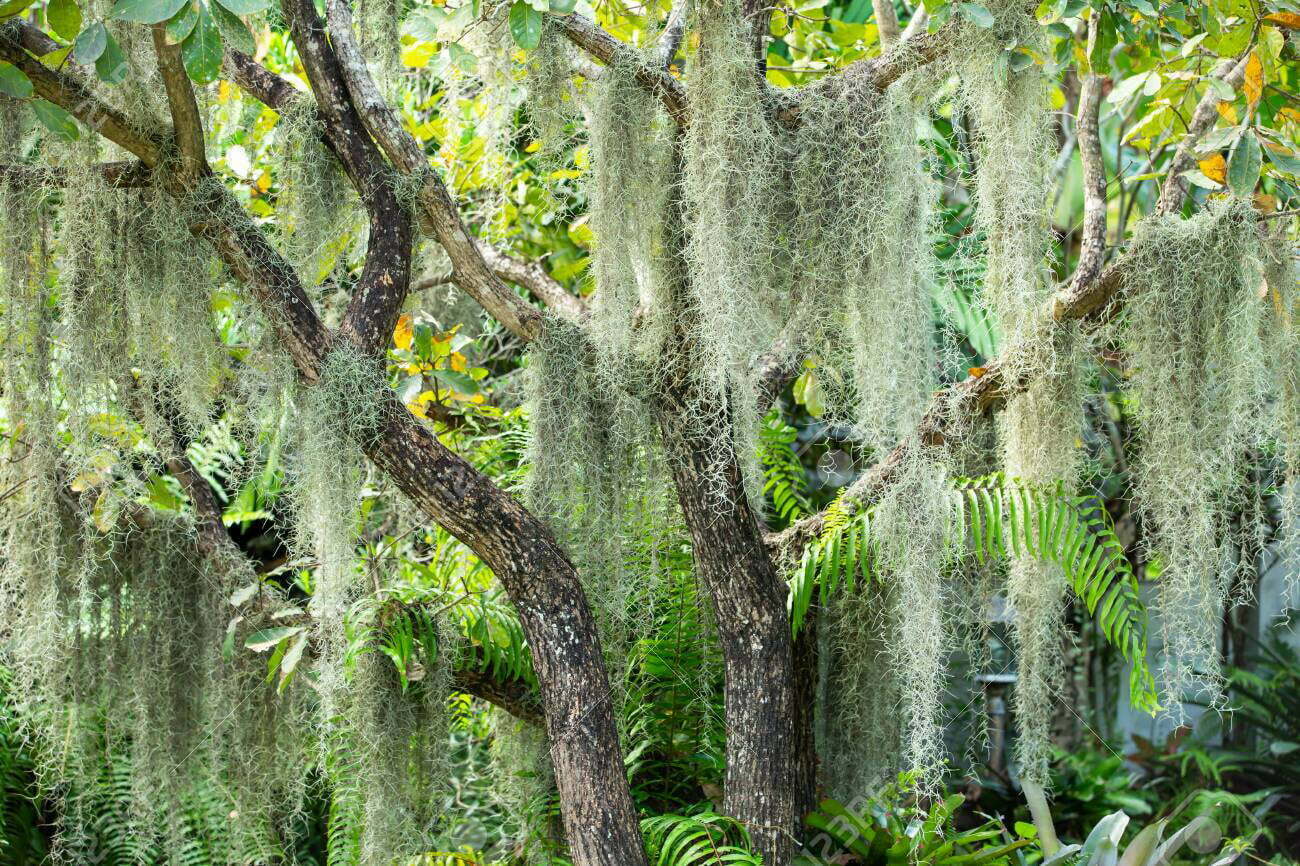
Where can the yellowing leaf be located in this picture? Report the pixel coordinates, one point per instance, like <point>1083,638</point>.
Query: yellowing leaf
<point>263,182</point>
<point>1227,111</point>
<point>1254,83</point>
<point>1215,167</point>
<point>1265,203</point>
<point>1289,20</point>
<point>977,372</point>
<point>1289,113</point>
<point>404,333</point>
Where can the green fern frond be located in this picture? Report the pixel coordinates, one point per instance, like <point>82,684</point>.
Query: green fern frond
<point>785,483</point>
<point>1007,518</point>
<point>697,840</point>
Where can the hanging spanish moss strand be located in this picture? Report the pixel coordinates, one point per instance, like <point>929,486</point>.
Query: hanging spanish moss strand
<point>1199,376</point>
<point>919,534</point>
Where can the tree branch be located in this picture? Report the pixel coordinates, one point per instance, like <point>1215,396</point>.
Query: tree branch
<point>187,124</point>
<point>612,51</point>
<point>1203,119</point>
<point>886,22</point>
<point>121,175</point>
<point>385,276</point>
<point>670,40</point>
<point>74,97</point>
<point>1092,253</point>
<point>516,697</point>
<point>877,73</point>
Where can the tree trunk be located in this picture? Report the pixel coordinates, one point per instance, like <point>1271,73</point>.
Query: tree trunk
<point>595,802</point>
<point>749,606</point>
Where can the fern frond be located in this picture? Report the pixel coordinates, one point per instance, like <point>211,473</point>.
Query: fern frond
<point>1007,518</point>
<point>697,840</point>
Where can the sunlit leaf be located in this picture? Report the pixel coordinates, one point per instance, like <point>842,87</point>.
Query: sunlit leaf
<point>404,333</point>
<point>201,50</point>
<point>1254,82</point>
<point>65,18</point>
<point>1215,167</point>
<point>525,25</point>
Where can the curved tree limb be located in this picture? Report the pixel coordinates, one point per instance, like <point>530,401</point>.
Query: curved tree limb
<point>385,276</point>
<point>886,22</point>
<point>1092,253</point>
<point>74,97</point>
<point>611,51</point>
<point>954,409</point>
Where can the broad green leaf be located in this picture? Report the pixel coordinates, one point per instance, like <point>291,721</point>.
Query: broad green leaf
<point>976,14</point>
<point>56,120</point>
<point>90,43</point>
<point>1283,159</point>
<point>182,23</point>
<point>111,65</point>
<point>201,50</point>
<point>525,25</point>
<point>457,381</point>
<point>234,31</point>
<point>65,18</point>
<point>14,82</point>
<point>146,11</point>
<point>260,641</point>
<point>1101,40</point>
<point>1244,162</point>
<point>14,7</point>
<point>563,7</point>
<point>245,7</point>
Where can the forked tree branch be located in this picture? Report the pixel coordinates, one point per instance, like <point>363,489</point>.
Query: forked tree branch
<point>480,281</point>
<point>613,51</point>
<point>954,410</point>
<point>74,97</point>
<point>385,276</point>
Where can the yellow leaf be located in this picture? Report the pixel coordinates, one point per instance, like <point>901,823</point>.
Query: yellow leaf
<point>263,182</point>
<point>1289,20</point>
<point>1215,167</point>
<point>977,372</point>
<point>404,332</point>
<point>1227,112</point>
<point>1254,83</point>
<point>1289,113</point>
<point>458,362</point>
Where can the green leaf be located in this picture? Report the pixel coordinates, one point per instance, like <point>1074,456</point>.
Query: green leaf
<point>90,43</point>
<point>146,11</point>
<point>563,7</point>
<point>65,18</point>
<point>976,14</point>
<point>260,641</point>
<point>56,120</point>
<point>290,661</point>
<point>1284,161</point>
<point>201,50</point>
<point>525,25</point>
<point>111,65</point>
<point>457,381</point>
<point>182,23</point>
<point>1244,162</point>
<point>14,82</point>
<point>1101,40</point>
<point>245,7</point>
<point>14,7</point>
<point>233,30</point>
